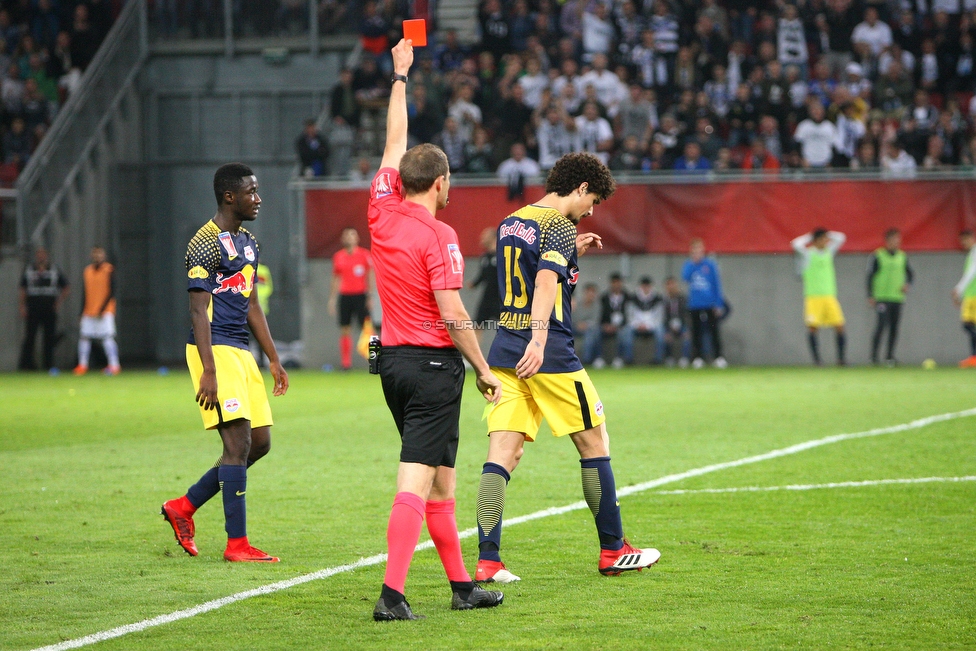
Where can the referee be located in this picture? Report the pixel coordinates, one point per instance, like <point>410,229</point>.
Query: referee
<point>419,270</point>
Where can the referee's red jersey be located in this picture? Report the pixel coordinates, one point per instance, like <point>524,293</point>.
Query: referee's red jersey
<point>414,255</point>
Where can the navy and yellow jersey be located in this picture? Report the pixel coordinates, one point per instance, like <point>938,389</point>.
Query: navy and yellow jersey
<point>531,239</point>
<point>223,264</point>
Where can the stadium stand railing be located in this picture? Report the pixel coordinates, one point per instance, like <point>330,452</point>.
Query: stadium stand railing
<point>81,124</point>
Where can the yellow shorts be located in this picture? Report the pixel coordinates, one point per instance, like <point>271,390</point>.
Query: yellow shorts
<point>969,310</point>
<point>823,312</point>
<point>240,387</point>
<point>568,401</point>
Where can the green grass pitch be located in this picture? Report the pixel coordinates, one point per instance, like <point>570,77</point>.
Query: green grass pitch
<point>86,462</point>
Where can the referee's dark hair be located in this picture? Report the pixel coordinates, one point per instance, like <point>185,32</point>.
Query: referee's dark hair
<point>572,170</point>
<point>229,178</point>
<point>421,166</point>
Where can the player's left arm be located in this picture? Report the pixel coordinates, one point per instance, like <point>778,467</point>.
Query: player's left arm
<point>909,277</point>
<point>259,328</point>
<point>719,292</point>
<point>65,290</point>
<point>836,240</point>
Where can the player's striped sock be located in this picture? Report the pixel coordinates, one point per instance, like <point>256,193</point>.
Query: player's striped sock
<point>442,526</point>
<point>491,505</point>
<point>600,492</point>
<point>233,482</point>
<point>402,534</point>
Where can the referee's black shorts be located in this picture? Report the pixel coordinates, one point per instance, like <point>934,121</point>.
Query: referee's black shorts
<point>423,388</point>
<point>350,306</point>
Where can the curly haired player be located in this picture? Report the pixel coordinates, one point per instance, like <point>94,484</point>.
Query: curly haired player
<point>534,357</point>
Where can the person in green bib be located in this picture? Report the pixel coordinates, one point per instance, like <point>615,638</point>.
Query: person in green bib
<point>821,307</point>
<point>889,278</point>
<point>964,294</point>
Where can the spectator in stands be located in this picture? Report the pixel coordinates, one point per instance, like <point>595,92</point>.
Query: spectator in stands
<point>586,323</point>
<point>850,130</point>
<point>637,116</point>
<point>610,91</point>
<point>341,138</point>
<point>665,26</point>
<point>520,26</point>
<point>615,306</point>
<point>934,155</point>
<point>816,137</point>
<point>652,67</point>
<point>677,343</point>
<point>759,158</point>
<point>12,90</point>
<point>84,39</point>
<point>494,28</point>
<point>479,154</point>
<point>45,24</point>
<point>450,54</point>
<point>629,157</point>
<point>874,32</point>
<point>692,160</point>
<point>770,134</point>
<point>453,143</point>
<point>706,303</point>
<point>792,42</point>
<point>343,103</point>
<point>924,114</point>
<point>657,159</point>
<point>647,315</point>
<point>742,116</point>
<point>898,163</point>
<point>893,91</point>
<point>516,169</point>
<point>363,172</point>
<point>313,151</point>
<point>36,109</point>
<point>556,136</point>
<point>533,82</point>
<point>425,119</point>
<point>707,139</point>
<point>595,133</point>
<point>47,86</point>
<point>463,110</point>
<point>867,158</point>
<point>597,31</point>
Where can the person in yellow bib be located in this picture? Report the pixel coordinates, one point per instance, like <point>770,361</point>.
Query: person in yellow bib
<point>964,294</point>
<point>821,307</point>
<point>889,279</point>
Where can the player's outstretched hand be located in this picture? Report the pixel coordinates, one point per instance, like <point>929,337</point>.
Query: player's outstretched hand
<point>402,57</point>
<point>207,395</point>
<point>280,379</point>
<point>490,387</point>
<point>531,361</point>
<point>585,240</point>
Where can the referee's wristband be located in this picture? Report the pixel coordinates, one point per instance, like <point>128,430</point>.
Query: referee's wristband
<point>397,78</point>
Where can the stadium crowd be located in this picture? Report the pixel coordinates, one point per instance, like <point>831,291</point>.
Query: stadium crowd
<point>652,85</point>
<point>45,46</point>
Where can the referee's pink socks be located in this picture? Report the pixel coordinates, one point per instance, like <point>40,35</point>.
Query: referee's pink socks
<point>345,350</point>
<point>402,534</point>
<point>442,526</point>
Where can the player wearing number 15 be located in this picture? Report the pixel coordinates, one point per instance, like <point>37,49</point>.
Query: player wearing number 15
<point>534,357</point>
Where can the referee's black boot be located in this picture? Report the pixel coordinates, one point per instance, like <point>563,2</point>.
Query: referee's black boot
<point>478,598</point>
<point>384,613</point>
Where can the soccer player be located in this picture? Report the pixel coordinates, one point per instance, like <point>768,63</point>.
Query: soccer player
<point>964,294</point>
<point>350,288</point>
<point>889,278</point>
<point>534,357</point>
<point>488,306</point>
<point>821,307</point>
<point>221,263</point>
<point>426,330</point>
<point>98,313</point>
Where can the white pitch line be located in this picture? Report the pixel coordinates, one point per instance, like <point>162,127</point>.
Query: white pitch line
<point>467,533</point>
<point>810,487</point>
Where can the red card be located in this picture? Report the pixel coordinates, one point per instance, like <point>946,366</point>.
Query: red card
<point>416,31</point>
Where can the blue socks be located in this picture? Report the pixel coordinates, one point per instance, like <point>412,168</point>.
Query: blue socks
<point>491,504</point>
<point>208,486</point>
<point>600,492</point>
<point>233,482</point>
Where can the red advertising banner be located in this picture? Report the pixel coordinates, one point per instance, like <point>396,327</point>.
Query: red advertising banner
<point>732,217</point>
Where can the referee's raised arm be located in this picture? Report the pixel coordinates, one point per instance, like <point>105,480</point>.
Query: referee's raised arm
<point>396,117</point>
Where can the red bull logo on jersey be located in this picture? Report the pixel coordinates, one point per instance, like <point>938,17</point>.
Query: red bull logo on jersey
<point>519,230</point>
<point>239,283</point>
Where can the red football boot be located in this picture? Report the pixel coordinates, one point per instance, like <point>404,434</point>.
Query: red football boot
<point>613,562</point>
<point>239,550</point>
<point>182,524</point>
